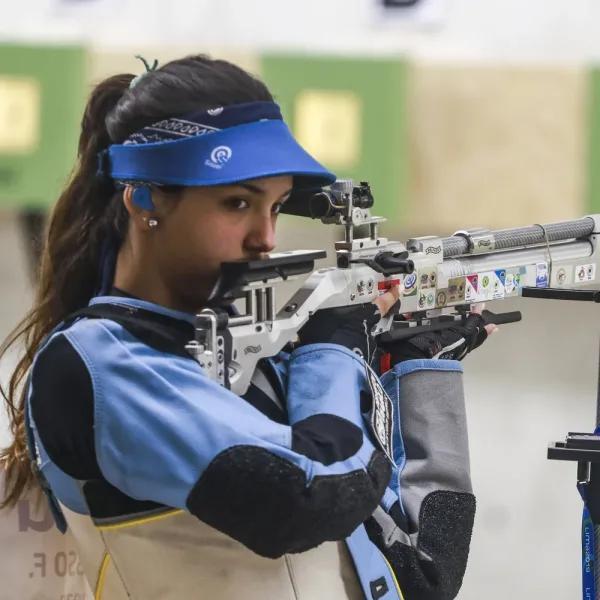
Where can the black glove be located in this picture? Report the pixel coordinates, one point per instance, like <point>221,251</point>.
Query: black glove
<point>451,344</point>
<point>348,326</point>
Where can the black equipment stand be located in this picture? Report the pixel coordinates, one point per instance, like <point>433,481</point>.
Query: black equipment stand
<point>583,448</point>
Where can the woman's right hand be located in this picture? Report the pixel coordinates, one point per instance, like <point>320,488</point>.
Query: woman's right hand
<point>451,344</point>
<point>348,326</point>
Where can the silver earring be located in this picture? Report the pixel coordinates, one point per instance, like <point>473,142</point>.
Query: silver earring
<point>152,222</point>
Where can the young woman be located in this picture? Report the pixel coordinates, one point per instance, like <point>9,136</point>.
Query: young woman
<point>173,486</point>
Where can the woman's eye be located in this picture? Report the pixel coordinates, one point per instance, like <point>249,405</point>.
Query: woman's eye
<point>277,208</point>
<point>236,203</point>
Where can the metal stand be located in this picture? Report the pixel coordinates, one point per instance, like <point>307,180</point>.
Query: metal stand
<point>584,448</point>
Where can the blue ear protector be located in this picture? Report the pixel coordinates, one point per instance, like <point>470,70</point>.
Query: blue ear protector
<point>142,197</point>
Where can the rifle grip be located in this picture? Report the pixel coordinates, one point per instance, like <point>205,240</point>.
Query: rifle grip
<point>501,318</point>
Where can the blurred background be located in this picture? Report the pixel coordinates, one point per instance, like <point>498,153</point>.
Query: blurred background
<point>460,113</point>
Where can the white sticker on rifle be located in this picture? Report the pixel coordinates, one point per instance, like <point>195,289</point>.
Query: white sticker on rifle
<point>499,284</point>
<point>427,279</point>
<point>585,273</point>
<point>382,415</point>
<point>541,275</point>
<point>486,286</point>
<point>385,285</point>
<point>509,284</point>
<point>410,285</point>
<point>561,276</point>
<point>472,288</point>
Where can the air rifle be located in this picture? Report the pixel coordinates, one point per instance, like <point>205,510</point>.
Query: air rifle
<point>441,279</point>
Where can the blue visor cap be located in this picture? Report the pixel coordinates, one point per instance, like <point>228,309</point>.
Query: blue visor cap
<point>217,147</point>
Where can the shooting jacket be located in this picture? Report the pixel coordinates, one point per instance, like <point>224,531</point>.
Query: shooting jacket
<point>174,487</point>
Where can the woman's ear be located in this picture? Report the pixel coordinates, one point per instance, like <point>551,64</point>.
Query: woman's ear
<point>138,202</point>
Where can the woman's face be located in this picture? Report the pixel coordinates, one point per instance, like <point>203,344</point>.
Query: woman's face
<point>206,226</point>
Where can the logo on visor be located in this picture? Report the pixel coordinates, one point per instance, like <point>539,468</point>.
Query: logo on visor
<point>218,157</point>
<point>213,112</point>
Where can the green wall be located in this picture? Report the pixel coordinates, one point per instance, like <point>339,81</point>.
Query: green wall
<point>593,166</point>
<point>43,85</point>
<point>378,88</point>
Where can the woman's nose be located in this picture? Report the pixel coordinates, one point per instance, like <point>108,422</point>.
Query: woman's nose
<point>262,235</point>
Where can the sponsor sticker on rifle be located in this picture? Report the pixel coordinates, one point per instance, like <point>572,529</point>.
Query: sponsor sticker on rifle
<point>486,286</point>
<point>382,415</point>
<point>456,289</point>
<point>561,276</point>
<point>427,279</point>
<point>585,273</point>
<point>472,288</point>
<point>541,275</point>
<point>499,284</point>
<point>509,283</point>
<point>386,284</point>
<point>410,285</point>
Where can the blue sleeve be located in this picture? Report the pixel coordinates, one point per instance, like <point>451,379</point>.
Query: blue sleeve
<point>164,432</point>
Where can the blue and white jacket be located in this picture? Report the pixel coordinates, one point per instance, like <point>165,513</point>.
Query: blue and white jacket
<point>176,488</point>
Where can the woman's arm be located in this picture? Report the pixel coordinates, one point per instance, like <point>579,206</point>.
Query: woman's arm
<point>424,524</point>
<point>156,428</point>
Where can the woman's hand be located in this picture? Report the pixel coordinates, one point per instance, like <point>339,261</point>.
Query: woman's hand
<point>453,343</point>
<point>348,326</point>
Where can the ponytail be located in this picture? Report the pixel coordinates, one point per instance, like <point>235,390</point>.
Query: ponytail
<point>87,213</point>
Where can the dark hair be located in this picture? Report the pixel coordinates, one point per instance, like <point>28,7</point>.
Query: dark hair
<point>89,209</point>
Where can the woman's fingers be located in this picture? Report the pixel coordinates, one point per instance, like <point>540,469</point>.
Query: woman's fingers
<point>387,300</point>
<point>478,309</point>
